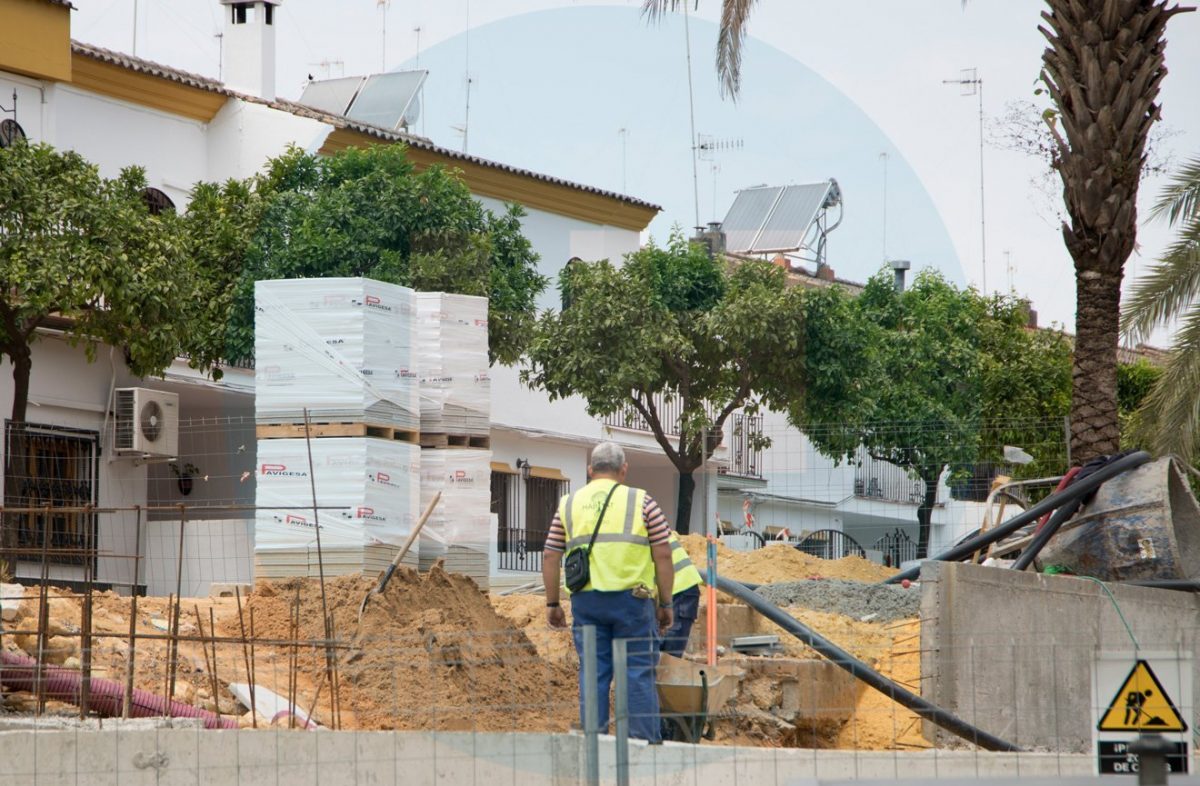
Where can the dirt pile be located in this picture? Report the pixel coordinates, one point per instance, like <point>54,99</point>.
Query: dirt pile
<point>778,562</point>
<point>878,723</point>
<point>431,653</point>
<point>527,613</point>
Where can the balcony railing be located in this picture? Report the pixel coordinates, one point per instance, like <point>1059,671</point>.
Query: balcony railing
<point>881,480</point>
<point>669,410</point>
<point>745,459</point>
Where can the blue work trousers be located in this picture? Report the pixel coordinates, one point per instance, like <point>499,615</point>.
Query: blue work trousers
<point>686,607</point>
<point>619,615</point>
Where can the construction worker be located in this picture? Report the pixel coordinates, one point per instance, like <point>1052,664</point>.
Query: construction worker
<point>629,558</point>
<point>685,600</point>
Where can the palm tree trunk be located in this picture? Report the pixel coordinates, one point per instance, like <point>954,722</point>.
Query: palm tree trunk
<point>1103,70</point>
<point>1094,422</point>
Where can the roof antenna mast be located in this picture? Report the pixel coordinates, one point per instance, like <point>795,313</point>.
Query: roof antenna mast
<point>687,38</point>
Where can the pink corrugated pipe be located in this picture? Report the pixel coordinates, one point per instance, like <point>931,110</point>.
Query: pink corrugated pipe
<point>19,672</point>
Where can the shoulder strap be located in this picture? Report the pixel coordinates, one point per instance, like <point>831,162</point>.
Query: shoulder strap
<point>600,520</point>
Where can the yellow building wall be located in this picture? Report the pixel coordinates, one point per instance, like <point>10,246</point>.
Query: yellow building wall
<point>35,39</point>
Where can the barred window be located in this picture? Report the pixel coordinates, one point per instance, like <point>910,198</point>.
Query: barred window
<point>49,473</point>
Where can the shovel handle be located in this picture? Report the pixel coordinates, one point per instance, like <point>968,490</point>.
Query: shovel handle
<point>387,574</point>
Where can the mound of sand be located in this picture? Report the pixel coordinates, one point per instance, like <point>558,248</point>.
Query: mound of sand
<point>781,562</point>
<point>431,652</point>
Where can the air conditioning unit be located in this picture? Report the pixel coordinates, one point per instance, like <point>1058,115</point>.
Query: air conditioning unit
<point>147,423</point>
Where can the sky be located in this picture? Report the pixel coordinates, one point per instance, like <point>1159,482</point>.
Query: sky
<point>828,87</point>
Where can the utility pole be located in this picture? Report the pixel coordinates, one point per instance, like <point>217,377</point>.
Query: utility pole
<point>972,85</point>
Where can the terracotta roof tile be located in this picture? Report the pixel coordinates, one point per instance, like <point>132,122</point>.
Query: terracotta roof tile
<point>387,135</point>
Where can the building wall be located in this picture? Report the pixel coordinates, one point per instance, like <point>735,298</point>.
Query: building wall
<point>222,448</point>
<point>114,134</point>
<point>558,238</point>
<point>66,390</point>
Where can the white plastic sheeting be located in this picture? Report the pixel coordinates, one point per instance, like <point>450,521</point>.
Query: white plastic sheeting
<point>463,517</point>
<point>342,347</point>
<point>373,483</point>
<point>452,356</point>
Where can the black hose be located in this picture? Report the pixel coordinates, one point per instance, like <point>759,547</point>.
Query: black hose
<point>1183,585</point>
<point>842,659</point>
<point>1060,517</point>
<point>1077,490</point>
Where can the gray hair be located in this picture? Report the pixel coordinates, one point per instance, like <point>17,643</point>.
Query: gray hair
<point>608,457</point>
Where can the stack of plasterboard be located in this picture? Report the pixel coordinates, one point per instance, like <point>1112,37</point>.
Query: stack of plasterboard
<point>452,355</point>
<point>344,348</point>
<point>459,532</point>
<point>367,491</point>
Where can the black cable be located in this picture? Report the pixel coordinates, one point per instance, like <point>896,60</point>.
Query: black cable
<point>927,710</point>
<point>1060,517</point>
<point>1071,493</point>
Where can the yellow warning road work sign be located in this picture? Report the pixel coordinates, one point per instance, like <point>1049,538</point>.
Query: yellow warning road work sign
<point>1142,704</point>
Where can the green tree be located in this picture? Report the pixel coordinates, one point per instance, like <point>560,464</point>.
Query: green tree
<point>930,380</point>
<point>1169,419</point>
<point>369,212</point>
<point>1102,69</point>
<point>220,225</point>
<point>673,325</point>
<point>85,254</point>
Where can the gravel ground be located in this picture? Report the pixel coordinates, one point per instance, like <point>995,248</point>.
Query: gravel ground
<point>849,598</point>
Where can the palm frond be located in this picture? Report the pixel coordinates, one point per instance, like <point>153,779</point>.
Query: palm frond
<point>1181,197</point>
<point>1169,421</point>
<point>656,9</point>
<point>1170,288</point>
<point>734,16</point>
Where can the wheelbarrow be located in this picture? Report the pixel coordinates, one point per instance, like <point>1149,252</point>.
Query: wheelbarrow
<point>690,693</point>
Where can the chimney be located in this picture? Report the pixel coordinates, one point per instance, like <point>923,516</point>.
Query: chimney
<point>825,272</point>
<point>712,238</point>
<point>248,47</point>
<point>900,266</point>
<point>1031,317</point>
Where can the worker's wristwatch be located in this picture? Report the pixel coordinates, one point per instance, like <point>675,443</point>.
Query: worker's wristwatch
<point>553,605</point>
<point>665,605</point>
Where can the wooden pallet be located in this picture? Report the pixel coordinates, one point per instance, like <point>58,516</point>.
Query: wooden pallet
<point>335,429</point>
<point>455,441</point>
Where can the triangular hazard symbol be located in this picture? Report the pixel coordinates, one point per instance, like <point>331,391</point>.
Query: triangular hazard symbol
<point>1142,704</point>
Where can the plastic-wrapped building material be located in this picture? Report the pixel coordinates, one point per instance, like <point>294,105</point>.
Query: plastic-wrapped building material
<point>432,541</point>
<point>460,531</point>
<point>452,356</point>
<point>342,347</point>
<point>368,491</point>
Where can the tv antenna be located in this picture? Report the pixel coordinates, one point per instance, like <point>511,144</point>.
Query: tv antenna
<point>883,157</point>
<point>707,148</point>
<point>623,133</point>
<point>972,85</point>
<point>383,5</point>
<point>326,66</point>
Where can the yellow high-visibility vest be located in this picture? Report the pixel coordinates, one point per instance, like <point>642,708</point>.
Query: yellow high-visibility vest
<point>686,574</point>
<point>620,557</point>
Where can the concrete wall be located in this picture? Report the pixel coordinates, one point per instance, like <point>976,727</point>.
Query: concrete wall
<point>1012,652</point>
<point>133,755</point>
